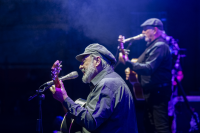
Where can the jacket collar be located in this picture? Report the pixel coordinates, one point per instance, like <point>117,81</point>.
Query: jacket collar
<point>155,40</point>
<point>101,75</point>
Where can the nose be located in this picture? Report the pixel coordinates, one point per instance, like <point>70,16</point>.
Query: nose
<point>81,67</point>
<point>143,32</point>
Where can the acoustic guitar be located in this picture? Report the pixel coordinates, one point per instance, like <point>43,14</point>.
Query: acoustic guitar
<point>73,127</point>
<point>137,88</point>
<point>65,128</point>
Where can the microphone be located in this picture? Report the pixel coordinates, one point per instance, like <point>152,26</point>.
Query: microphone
<point>71,75</point>
<point>138,37</point>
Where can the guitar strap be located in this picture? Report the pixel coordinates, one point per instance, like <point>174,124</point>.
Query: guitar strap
<point>141,60</point>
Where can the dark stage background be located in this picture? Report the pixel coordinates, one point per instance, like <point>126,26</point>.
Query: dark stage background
<point>35,33</point>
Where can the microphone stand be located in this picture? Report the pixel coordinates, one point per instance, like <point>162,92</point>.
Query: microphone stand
<point>187,104</point>
<point>41,97</point>
<point>180,87</point>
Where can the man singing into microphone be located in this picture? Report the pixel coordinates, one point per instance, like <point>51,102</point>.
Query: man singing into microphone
<point>154,73</point>
<point>110,106</point>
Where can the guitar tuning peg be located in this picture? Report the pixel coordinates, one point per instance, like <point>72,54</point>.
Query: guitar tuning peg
<point>126,52</point>
<point>54,72</point>
<point>52,75</point>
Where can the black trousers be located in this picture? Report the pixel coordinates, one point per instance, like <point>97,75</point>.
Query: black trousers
<point>156,109</point>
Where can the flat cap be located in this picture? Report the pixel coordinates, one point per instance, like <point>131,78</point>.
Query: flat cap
<point>153,22</point>
<point>98,50</point>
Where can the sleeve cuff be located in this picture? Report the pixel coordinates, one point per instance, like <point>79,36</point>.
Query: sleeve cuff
<point>68,102</point>
<point>129,64</point>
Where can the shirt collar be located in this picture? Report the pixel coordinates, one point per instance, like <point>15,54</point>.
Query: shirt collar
<point>101,75</point>
<point>148,44</point>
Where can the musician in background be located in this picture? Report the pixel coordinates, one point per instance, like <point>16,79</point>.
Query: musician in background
<point>109,106</point>
<point>154,73</point>
<point>176,73</point>
<point>171,106</point>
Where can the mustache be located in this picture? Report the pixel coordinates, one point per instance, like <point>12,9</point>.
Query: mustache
<point>83,70</point>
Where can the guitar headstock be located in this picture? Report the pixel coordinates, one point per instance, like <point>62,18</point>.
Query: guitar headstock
<point>55,70</point>
<point>121,44</point>
<point>121,38</point>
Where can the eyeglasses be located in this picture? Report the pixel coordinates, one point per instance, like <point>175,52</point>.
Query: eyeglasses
<point>148,27</point>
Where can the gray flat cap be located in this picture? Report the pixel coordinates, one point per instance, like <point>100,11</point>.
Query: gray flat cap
<point>153,22</point>
<point>98,50</point>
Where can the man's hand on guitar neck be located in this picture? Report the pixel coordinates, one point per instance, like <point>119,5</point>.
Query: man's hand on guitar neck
<point>59,94</point>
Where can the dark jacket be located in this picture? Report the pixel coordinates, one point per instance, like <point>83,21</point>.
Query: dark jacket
<point>154,65</point>
<point>109,107</point>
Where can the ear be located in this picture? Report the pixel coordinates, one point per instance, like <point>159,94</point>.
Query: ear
<point>155,30</point>
<point>98,61</point>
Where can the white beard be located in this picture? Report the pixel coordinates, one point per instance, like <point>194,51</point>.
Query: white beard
<point>87,77</point>
<point>147,39</point>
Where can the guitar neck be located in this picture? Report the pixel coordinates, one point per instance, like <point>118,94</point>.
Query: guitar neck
<point>122,48</point>
<point>57,83</point>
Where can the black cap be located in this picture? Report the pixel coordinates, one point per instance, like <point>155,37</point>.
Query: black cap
<point>98,50</point>
<point>153,22</point>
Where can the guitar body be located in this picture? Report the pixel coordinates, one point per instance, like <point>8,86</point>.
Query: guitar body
<point>138,91</point>
<point>73,127</point>
<point>137,88</point>
<point>132,76</point>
